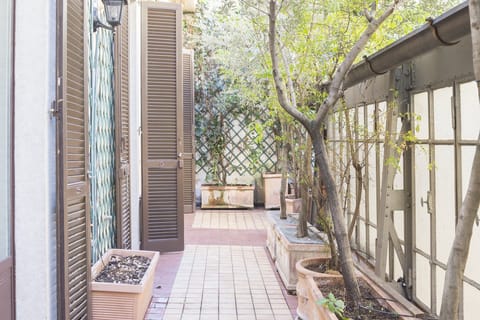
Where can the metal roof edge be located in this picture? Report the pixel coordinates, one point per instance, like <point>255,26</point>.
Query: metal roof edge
<point>450,26</point>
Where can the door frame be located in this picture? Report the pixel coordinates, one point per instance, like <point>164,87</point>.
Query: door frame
<point>9,262</point>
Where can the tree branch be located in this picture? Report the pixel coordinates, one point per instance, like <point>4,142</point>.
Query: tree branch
<point>339,76</point>
<point>279,84</point>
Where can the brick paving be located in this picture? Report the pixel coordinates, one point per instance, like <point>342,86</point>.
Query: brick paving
<point>224,273</point>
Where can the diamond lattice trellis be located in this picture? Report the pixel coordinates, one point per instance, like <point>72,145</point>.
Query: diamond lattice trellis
<point>102,142</point>
<point>243,153</point>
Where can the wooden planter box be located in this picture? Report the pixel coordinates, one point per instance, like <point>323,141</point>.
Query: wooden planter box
<point>308,294</point>
<point>227,197</point>
<point>122,301</point>
<point>286,249</point>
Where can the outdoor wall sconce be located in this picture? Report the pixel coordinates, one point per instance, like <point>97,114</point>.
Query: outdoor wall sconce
<point>113,12</point>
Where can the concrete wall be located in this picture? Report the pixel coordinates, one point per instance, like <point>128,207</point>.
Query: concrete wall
<point>35,160</point>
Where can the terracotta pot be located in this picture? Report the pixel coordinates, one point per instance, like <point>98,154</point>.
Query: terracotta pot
<point>122,301</point>
<point>271,188</point>
<point>293,205</point>
<point>308,293</point>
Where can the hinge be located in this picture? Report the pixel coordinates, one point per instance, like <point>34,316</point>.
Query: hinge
<point>53,109</point>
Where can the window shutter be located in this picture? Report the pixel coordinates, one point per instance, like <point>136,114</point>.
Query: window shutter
<point>122,150</point>
<point>162,117</point>
<point>188,132</point>
<point>73,230</point>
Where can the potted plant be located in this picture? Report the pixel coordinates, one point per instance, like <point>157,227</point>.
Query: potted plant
<point>212,134</point>
<point>122,284</point>
<point>316,300</point>
<point>291,237</point>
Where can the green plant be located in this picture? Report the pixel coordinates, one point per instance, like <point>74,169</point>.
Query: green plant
<point>337,306</point>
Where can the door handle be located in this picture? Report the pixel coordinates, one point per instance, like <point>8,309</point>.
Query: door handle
<point>427,202</point>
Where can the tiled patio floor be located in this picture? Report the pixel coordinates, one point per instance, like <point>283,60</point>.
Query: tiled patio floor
<point>222,274</point>
<point>238,220</point>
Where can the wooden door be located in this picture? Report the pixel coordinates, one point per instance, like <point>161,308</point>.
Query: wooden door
<point>73,211</point>
<point>162,117</point>
<point>188,133</point>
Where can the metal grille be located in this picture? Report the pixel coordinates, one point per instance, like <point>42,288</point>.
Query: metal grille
<point>102,142</point>
<point>245,154</point>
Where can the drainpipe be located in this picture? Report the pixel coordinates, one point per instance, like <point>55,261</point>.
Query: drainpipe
<point>444,30</point>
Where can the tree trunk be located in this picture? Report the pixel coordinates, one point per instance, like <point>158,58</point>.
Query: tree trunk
<point>463,233</point>
<point>358,198</point>
<point>344,250</point>
<point>358,172</point>
<point>305,176</point>
<point>325,223</point>
<point>314,127</point>
<point>283,186</point>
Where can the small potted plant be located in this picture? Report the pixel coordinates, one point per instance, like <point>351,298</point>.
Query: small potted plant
<point>316,300</point>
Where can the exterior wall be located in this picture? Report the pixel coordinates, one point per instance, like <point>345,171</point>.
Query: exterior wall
<point>135,120</point>
<point>35,160</point>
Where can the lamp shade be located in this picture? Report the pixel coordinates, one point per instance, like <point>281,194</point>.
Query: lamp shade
<point>113,11</point>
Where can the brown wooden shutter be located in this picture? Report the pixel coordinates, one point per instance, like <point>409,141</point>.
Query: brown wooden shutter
<point>188,133</point>
<point>73,229</point>
<point>162,117</point>
<point>122,131</point>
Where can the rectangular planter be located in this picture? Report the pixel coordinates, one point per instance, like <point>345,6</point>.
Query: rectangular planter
<point>272,221</point>
<point>288,249</point>
<point>293,205</point>
<point>122,301</point>
<point>227,197</point>
<point>271,187</point>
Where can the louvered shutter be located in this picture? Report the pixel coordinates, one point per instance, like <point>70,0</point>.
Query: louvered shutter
<point>188,133</point>
<point>122,120</point>
<point>162,117</point>
<point>73,230</point>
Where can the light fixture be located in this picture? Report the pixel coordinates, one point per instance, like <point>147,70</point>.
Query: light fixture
<point>113,12</point>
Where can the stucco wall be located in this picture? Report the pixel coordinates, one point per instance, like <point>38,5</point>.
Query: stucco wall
<point>35,160</point>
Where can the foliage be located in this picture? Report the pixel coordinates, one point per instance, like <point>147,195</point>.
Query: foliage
<point>226,88</point>
<point>337,306</point>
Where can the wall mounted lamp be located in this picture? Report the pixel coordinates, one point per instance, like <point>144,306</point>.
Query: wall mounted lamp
<point>113,12</point>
